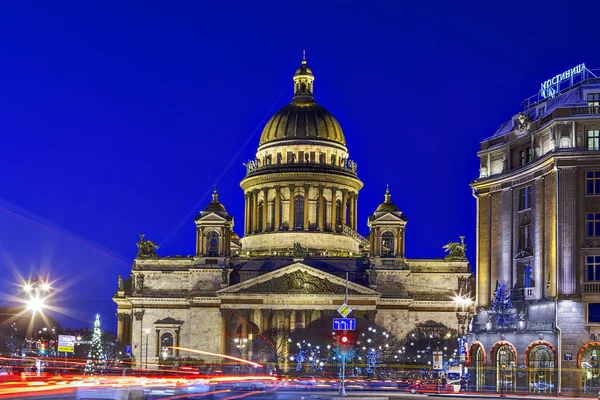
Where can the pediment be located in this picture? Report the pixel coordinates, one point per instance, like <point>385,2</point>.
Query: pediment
<point>168,321</point>
<point>298,278</point>
<point>212,217</point>
<point>389,217</point>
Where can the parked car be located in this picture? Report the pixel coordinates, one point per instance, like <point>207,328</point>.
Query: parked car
<point>430,386</point>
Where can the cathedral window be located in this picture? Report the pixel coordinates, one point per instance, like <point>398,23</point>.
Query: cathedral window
<point>592,225</point>
<point>261,206</point>
<point>592,267</point>
<point>301,156</point>
<point>312,157</point>
<point>299,213</point>
<point>592,182</point>
<point>387,244</point>
<point>338,214</point>
<point>213,245</point>
<point>525,198</point>
<point>166,344</point>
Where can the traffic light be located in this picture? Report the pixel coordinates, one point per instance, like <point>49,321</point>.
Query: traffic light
<point>42,348</point>
<point>344,339</point>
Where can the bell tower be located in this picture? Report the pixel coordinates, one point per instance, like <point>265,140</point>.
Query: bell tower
<point>303,79</point>
<point>387,227</point>
<point>214,227</point>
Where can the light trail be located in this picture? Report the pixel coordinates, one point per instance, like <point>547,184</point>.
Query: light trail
<point>217,355</point>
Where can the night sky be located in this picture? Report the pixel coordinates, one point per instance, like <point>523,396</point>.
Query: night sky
<point>119,119</point>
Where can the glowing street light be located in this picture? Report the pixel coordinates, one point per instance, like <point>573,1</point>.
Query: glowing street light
<point>36,292</point>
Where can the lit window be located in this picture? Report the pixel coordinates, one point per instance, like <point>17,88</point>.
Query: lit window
<point>213,245</point>
<point>593,99</point>
<point>299,213</point>
<point>525,198</point>
<point>592,182</point>
<point>592,224</point>
<point>525,236</point>
<point>300,156</point>
<point>312,157</point>
<point>592,268</point>
<point>593,140</point>
<point>387,244</point>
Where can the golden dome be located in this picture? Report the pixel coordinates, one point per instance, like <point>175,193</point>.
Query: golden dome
<point>387,205</point>
<point>303,118</point>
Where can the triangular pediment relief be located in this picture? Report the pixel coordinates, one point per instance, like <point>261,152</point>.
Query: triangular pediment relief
<point>298,278</point>
<point>212,217</point>
<point>389,217</point>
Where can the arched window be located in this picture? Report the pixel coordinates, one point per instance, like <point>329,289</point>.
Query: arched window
<point>478,358</point>
<point>299,213</point>
<point>505,368</point>
<point>166,342</point>
<point>260,216</point>
<point>541,369</point>
<point>387,244</point>
<point>213,245</point>
<point>590,365</point>
<point>338,215</point>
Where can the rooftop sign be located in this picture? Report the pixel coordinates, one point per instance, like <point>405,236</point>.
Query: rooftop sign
<point>552,86</point>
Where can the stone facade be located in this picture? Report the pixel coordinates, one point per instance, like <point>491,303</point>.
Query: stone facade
<point>289,269</point>
<point>535,228</point>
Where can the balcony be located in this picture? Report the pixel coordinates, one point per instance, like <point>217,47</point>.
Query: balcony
<point>590,287</point>
<point>589,110</point>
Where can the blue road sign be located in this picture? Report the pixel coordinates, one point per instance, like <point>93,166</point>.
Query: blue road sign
<point>344,324</point>
<point>461,346</point>
<point>128,350</point>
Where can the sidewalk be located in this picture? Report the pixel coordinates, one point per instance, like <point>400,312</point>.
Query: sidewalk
<point>513,396</point>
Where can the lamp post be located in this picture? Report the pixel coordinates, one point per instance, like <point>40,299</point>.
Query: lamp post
<point>147,331</point>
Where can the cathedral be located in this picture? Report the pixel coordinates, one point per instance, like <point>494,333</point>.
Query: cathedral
<point>289,268</point>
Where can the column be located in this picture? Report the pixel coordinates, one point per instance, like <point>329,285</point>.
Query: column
<point>321,209</point>
<point>265,209</point>
<point>254,211</point>
<point>157,351</point>
<point>120,326</point>
<point>344,208</point>
<point>277,208</point>
<point>201,241</point>
<point>355,211</point>
<point>333,205</point>
<point>266,319</point>
<point>306,204</point>
<point>247,213</point>
<point>287,314</point>
<point>177,337</point>
<point>307,317</point>
<point>291,209</point>
<point>398,239</point>
<point>286,345</point>
<point>244,316</point>
<point>224,321</point>
<point>139,316</point>
<point>351,211</point>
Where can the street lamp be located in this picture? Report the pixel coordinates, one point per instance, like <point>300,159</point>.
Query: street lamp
<point>147,331</point>
<point>463,302</point>
<point>36,292</point>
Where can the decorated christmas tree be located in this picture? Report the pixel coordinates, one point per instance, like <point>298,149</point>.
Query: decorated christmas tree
<point>95,360</point>
<point>501,305</point>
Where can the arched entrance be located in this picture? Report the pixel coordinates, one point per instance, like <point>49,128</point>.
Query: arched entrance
<point>504,358</point>
<point>540,358</point>
<point>477,363</point>
<point>588,361</point>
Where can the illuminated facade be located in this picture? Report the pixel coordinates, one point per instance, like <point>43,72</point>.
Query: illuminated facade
<point>538,232</point>
<point>288,270</point>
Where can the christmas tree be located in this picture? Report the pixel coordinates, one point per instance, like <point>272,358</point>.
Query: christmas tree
<point>501,305</point>
<point>95,360</point>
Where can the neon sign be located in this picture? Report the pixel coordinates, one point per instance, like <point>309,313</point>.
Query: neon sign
<point>552,86</point>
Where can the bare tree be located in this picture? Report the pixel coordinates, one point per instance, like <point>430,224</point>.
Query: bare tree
<point>270,345</point>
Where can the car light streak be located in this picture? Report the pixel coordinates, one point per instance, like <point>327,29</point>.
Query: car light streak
<point>217,355</point>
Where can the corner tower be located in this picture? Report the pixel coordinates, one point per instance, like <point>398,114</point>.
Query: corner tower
<point>302,188</point>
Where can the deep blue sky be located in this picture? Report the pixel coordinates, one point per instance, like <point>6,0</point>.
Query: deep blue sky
<point>117,119</point>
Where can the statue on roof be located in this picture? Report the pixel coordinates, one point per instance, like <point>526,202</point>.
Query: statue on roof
<point>146,248</point>
<point>456,251</point>
<point>120,283</point>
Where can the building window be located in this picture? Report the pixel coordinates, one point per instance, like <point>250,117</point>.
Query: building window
<point>213,245</point>
<point>261,206</point>
<point>525,236</point>
<point>299,213</point>
<point>593,312</point>
<point>387,244</point>
<point>592,224</point>
<point>592,268</point>
<point>338,215</point>
<point>312,157</point>
<point>592,182</point>
<point>290,157</point>
<point>526,156</point>
<point>593,140</point>
<point>166,344</point>
<point>541,369</point>
<point>505,369</point>
<point>593,99</point>
<point>590,363</point>
<point>525,198</point>
<point>301,156</point>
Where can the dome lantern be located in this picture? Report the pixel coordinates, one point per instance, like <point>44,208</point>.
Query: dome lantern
<point>303,80</point>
